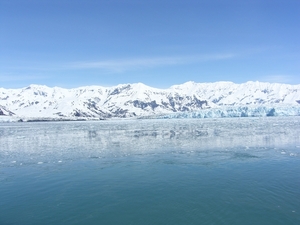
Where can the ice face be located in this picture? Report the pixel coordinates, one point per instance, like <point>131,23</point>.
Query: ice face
<point>8,119</point>
<point>240,111</point>
<point>60,141</point>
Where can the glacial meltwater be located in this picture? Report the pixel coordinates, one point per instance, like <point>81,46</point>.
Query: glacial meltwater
<point>179,171</point>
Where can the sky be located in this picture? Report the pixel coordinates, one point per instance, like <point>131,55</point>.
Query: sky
<point>156,42</point>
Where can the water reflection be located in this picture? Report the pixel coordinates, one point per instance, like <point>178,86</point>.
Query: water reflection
<point>71,140</point>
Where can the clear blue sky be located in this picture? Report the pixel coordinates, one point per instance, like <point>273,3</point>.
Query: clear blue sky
<point>157,42</point>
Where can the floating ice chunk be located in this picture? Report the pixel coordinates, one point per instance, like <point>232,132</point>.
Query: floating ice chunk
<point>40,163</point>
<point>283,152</point>
<point>20,137</point>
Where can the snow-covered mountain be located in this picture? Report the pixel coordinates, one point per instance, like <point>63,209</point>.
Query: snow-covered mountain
<point>135,100</point>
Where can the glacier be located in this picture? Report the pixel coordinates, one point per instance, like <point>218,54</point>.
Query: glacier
<point>239,111</point>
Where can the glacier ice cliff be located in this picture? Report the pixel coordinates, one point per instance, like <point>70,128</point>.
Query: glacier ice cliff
<point>238,111</point>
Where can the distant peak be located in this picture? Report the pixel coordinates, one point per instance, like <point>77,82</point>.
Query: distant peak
<point>35,86</point>
<point>190,82</point>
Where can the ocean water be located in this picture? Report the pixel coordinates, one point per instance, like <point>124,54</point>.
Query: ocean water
<point>189,171</point>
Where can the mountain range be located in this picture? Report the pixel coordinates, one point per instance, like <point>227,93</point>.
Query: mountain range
<point>139,100</point>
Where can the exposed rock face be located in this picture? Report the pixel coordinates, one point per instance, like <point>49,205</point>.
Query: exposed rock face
<point>5,112</point>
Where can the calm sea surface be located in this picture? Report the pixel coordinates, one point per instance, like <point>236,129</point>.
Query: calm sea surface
<point>199,171</point>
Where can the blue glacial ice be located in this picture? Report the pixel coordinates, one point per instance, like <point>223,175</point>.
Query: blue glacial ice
<point>242,111</point>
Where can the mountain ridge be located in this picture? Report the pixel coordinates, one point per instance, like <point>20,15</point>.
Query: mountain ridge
<point>138,99</point>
